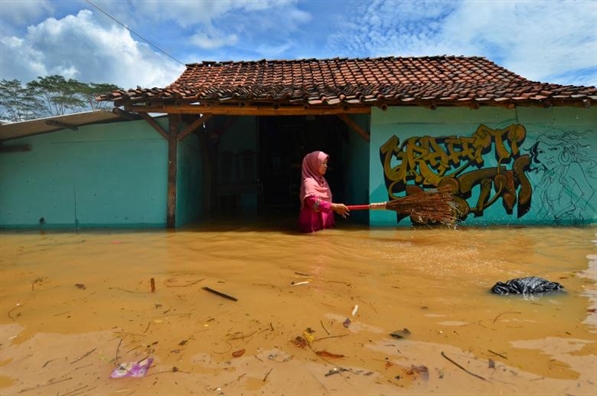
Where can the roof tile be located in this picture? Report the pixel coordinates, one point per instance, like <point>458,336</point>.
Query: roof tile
<point>358,81</point>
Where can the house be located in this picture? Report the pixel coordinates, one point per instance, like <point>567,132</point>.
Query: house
<point>233,134</point>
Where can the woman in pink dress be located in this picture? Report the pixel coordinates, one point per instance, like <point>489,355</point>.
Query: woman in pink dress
<point>317,208</point>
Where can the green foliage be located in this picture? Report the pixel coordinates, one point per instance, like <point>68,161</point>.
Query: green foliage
<point>49,96</point>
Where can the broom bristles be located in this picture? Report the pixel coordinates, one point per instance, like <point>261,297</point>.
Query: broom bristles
<point>432,206</point>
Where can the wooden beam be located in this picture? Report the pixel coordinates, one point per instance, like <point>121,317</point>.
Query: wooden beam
<point>62,125</point>
<point>191,128</point>
<point>124,114</point>
<point>249,110</point>
<point>155,125</point>
<point>356,127</point>
<point>14,148</point>
<point>174,122</point>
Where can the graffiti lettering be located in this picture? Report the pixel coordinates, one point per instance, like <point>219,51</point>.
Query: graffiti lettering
<point>431,162</point>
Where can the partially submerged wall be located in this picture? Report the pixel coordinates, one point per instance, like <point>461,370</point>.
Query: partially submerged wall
<point>109,175</point>
<point>521,166</point>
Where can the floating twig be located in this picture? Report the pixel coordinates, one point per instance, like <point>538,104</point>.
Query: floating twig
<point>334,336</point>
<point>84,356</point>
<point>147,328</point>
<point>498,354</point>
<point>187,284</point>
<point>9,312</point>
<point>503,313</point>
<point>219,293</point>
<point>128,291</point>
<point>462,368</point>
<point>267,375</point>
<point>242,336</point>
<point>326,330</point>
<point>152,282</point>
<point>117,348</point>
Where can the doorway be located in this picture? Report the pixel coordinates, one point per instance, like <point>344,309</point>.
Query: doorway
<point>284,141</point>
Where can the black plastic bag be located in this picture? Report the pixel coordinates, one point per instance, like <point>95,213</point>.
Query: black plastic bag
<point>528,285</point>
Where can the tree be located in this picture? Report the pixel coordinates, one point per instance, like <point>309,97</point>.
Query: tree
<point>57,94</point>
<point>93,90</point>
<point>49,96</point>
<point>18,103</point>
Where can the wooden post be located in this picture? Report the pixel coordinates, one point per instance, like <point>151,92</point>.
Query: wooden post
<point>355,126</point>
<point>174,122</point>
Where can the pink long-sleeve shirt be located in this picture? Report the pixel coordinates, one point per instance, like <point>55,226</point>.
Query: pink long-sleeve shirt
<point>316,214</point>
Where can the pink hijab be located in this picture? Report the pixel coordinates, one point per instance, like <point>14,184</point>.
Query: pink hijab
<point>313,184</point>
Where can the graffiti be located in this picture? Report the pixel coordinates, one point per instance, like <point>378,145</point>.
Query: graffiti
<point>487,165</point>
<point>559,161</point>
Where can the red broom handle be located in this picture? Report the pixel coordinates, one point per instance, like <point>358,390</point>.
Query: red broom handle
<point>358,207</point>
<point>371,206</point>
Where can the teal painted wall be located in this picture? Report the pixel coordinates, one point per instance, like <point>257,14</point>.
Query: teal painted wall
<point>110,175</point>
<point>356,168</point>
<point>188,181</point>
<point>521,166</point>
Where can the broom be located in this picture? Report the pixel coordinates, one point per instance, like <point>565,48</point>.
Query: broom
<point>432,206</point>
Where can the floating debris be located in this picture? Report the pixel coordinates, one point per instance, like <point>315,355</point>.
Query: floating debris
<point>132,369</point>
<point>328,354</point>
<point>219,293</point>
<point>300,342</point>
<point>400,333</point>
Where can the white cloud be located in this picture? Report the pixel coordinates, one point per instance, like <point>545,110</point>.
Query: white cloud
<point>550,41</point>
<point>535,39</point>
<point>219,24</point>
<point>207,41</point>
<point>78,47</point>
<point>18,12</point>
<point>192,13</point>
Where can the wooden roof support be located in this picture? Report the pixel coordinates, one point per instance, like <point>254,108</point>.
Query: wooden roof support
<point>62,125</point>
<point>174,123</point>
<point>234,110</point>
<point>356,127</point>
<point>191,128</point>
<point>124,114</point>
<point>155,125</point>
<point>14,148</point>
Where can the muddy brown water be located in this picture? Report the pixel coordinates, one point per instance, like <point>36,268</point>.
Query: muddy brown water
<point>76,304</point>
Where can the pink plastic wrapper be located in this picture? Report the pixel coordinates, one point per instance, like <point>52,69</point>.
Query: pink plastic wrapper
<point>132,369</point>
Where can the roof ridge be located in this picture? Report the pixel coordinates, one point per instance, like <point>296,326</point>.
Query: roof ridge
<point>326,60</point>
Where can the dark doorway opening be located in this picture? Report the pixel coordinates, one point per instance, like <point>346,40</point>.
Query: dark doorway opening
<point>283,142</point>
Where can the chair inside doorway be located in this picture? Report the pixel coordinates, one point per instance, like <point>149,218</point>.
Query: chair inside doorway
<point>239,186</point>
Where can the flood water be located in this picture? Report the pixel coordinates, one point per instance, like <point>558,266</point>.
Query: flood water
<point>76,304</point>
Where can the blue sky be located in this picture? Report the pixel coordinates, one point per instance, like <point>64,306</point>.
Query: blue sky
<point>543,40</point>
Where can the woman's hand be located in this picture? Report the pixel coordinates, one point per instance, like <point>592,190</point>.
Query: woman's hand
<point>341,209</point>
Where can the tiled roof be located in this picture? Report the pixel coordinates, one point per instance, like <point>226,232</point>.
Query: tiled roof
<point>390,81</point>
